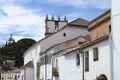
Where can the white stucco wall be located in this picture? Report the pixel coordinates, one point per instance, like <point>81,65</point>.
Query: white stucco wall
<point>46,69</point>
<point>102,66</point>
<point>42,72</point>
<point>116,38</point>
<point>71,70</point>
<point>68,70</point>
<point>71,32</point>
<point>32,54</point>
<point>29,74</point>
<point>10,75</point>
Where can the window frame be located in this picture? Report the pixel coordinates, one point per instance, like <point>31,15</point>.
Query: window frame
<point>86,57</point>
<point>95,54</point>
<point>77,59</point>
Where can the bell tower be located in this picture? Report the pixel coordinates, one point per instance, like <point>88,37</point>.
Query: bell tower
<point>54,25</point>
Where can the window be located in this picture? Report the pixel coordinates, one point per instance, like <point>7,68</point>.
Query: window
<point>64,34</point>
<point>56,23</point>
<point>56,26</point>
<point>42,60</point>
<point>109,28</point>
<point>95,54</point>
<point>18,76</point>
<point>86,61</point>
<point>15,76</point>
<point>77,59</point>
<point>48,59</point>
<point>56,63</point>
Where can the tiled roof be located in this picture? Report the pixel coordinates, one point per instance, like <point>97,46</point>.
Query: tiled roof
<point>79,22</point>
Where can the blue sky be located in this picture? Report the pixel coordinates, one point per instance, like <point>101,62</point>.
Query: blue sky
<point>25,18</point>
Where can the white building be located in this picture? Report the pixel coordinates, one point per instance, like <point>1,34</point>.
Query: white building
<point>31,62</point>
<point>115,39</point>
<point>95,58</point>
<point>31,56</point>
<point>17,74</point>
<point>72,30</point>
<point>70,61</point>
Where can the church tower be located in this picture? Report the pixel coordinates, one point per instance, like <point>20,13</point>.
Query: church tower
<point>52,26</point>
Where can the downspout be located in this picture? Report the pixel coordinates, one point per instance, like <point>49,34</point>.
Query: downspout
<point>111,46</point>
<point>111,56</point>
<point>83,66</point>
<point>45,67</point>
<point>52,65</point>
<point>81,51</point>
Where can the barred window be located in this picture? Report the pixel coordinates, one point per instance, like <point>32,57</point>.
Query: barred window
<point>87,61</point>
<point>95,54</point>
<point>77,59</point>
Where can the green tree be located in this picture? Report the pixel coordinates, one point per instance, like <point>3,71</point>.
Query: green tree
<point>15,50</point>
<point>21,46</point>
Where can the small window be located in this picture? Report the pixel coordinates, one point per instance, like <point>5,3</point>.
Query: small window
<point>56,23</point>
<point>95,54</point>
<point>48,59</point>
<point>87,61</point>
<point>56,63</point>
<point>15,76</point>
<point>109,28</point>
<point>42,60</point>
<point>64,34</point>
<point>77,59</point>
<point>18,76</point>
<point>56,26</point>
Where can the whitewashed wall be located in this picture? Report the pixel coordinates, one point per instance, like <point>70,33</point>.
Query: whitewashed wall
<point>71,32</point>
<point>102,66</point>
<point>32,54</point>
<point>68,69</point>
<point>29,74</point>
<point>116,38</point>
<point>10,75</point>
<point>46,70</point>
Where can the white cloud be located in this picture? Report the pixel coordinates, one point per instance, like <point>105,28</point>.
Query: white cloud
<point>22,22</point>
<point>101,4</point>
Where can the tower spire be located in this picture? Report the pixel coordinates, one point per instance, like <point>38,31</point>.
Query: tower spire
<point>47,17</point>
<point>58,18</point>
<point>65,19</point>
<point>52,17</point>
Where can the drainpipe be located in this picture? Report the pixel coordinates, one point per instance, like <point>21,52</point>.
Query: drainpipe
<point>111,56</point>
<point>81,51</point>
<point>45,67</point>
<point>52,63</point>
<point>83,66</point>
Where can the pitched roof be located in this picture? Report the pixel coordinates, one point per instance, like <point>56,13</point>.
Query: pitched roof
<point>79,22</point>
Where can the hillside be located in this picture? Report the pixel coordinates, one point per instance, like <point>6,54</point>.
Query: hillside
<point>14,51</point>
